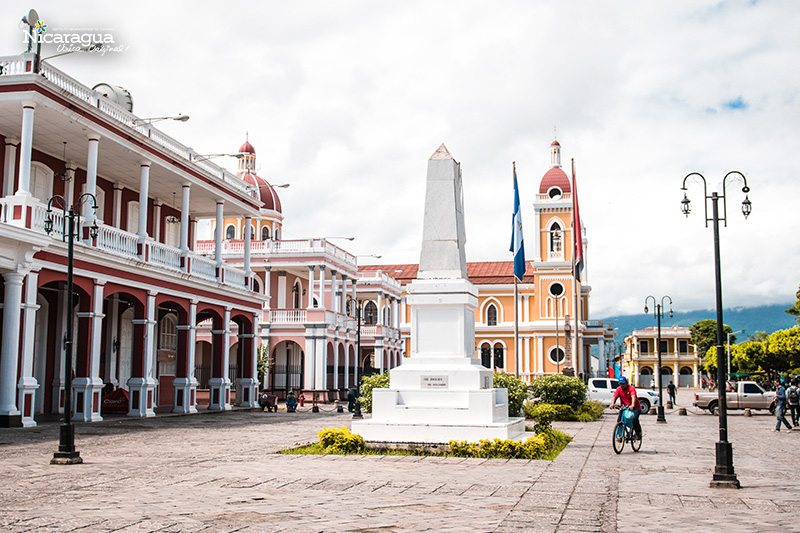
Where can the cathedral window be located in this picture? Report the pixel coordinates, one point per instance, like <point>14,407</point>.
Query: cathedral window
<point>555,238</point>
<point>230,232</point>
<point>265,233</point>
<point>491,315</point>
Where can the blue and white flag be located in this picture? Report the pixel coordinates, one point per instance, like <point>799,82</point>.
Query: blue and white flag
<point>517,244</point>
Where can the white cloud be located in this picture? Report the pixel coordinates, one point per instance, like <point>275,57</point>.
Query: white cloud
<point>347,100</point>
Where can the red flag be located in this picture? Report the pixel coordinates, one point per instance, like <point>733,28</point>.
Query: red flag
<point>576,231</point>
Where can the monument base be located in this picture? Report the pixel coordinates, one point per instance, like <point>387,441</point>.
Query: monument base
<point>419,433</point>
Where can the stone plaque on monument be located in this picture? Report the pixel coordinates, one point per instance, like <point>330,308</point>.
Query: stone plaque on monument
<point>433,382</point>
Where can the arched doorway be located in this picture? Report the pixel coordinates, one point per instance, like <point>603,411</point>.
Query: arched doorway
<point>666,375</point>
<point>288,373</point>
<point>645,376</point>
<point>686,377</point>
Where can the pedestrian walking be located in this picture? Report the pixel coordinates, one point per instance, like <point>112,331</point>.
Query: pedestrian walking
<point>780,409</point>
<point>703,383</point>
<point>793,400</point>
<point>671,391</point>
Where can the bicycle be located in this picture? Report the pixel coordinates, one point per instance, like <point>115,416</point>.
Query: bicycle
<point>623,432</point>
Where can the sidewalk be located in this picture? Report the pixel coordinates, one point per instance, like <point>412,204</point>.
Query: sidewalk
<point>217,472</point>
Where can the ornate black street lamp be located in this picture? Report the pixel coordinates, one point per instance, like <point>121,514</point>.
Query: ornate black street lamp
<point>658,312</point>
<point>724,475</point>
<point>67,454</point>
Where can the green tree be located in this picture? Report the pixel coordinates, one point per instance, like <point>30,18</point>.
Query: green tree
<point>704,335</point>
<point>795,309</point>
<point>783,349</point>
<point>748,356</point>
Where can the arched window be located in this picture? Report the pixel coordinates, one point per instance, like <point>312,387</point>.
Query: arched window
<point>491,315</point>
<point>277,234</point>
<point>556,238</point>
<point>499,359</point>
<point>486,356</point>
<point>297,294</point>
<point>265,233</point>
<point>230,232</point>
<point>133,217</point>
<point>252,233</point>
<point>370,313</point>
<point>41,183</point>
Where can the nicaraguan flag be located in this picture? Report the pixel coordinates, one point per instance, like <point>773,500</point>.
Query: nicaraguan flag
<point>517,244</point>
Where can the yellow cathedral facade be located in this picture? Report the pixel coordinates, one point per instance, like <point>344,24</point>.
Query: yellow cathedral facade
<point>553,336</point>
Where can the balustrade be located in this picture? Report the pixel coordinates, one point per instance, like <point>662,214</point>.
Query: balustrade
<point>164,255</point>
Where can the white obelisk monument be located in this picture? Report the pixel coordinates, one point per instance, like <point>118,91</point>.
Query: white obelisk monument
<point>441,392</point>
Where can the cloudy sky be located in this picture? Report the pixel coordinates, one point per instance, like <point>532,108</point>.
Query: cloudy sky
<point>347,100</point>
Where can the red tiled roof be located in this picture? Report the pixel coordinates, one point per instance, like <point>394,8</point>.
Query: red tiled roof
<point>479,273</point>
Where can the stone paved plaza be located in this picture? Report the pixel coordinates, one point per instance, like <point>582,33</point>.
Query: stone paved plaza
<point>217,472</point>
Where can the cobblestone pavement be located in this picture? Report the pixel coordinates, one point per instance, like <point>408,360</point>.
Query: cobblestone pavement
<point>218,473</point>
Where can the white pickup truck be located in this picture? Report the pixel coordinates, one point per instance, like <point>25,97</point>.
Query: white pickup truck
<point>748,395</point>
<point>602,390</point>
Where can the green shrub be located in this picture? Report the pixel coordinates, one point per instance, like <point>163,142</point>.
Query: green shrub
<point>517,391</point>
<point>535,447</point>
<point>542,414</point>
<point>591,410</point>
<point>375,381</point>
<point>340,440</point>
<point>560,389</point>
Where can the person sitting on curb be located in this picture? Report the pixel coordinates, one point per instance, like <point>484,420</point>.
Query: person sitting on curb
<point>291,402</point>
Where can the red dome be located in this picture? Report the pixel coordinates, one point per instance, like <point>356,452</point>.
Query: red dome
<point>555,177</point>
<point>247,148</point>
<point>264,191</point>
<point>554,143</point>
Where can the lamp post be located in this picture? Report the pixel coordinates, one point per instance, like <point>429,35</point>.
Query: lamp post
<point>658,312</point>
<point>724,475</point>
<point>357,405</point>
<point>67,454</point>
<point>729,348</point>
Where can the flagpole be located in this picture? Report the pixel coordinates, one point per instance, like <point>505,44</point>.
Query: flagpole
<point>516,296</point>
<point>577,353</point>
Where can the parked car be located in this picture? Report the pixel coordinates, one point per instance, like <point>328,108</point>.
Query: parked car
<point>602,390</point>
<point>748,395</point>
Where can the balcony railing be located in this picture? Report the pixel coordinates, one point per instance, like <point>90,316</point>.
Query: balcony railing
<point>235,248</point>
<point>23,64</point>
<point>29,212</point>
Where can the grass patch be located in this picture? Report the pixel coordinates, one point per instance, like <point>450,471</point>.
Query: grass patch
<point>317,449</point>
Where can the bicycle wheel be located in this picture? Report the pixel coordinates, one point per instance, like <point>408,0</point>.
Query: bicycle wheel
<point>619,437</point>
<point>636,443</point>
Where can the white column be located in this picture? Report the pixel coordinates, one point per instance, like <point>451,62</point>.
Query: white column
<point>157,221</point>
<point>322,287</point>
<point>353,297</point>
<point>695,377</point>
<point>282,290</point>
<point>92,385</point>
<point>185,217</point>
<point>320,373</point>
<point>26,149</point>
<point>539,354</point>
<point>675,374</point>
<point>193,223</point>
<point>248,272</point>
<point>218,233</point>
<point>28,385</point>
<point>12,306</point>
<point>380,308</point>
<point>601,357</point>
<point>268,288</point>
<point>10,168</point>
<point>117,221</point>
<point>186,403</point>
<point>91,174</point>
<point>226,355</point>
<point>343,298</point>
<point>311,284</point>
<point>144,186</point>
<point>334,302</point>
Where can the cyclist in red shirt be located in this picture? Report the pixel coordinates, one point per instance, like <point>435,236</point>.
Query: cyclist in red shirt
<point>627,397</point>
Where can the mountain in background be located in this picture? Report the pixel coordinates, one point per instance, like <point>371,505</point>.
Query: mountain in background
<point>767,318</point>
